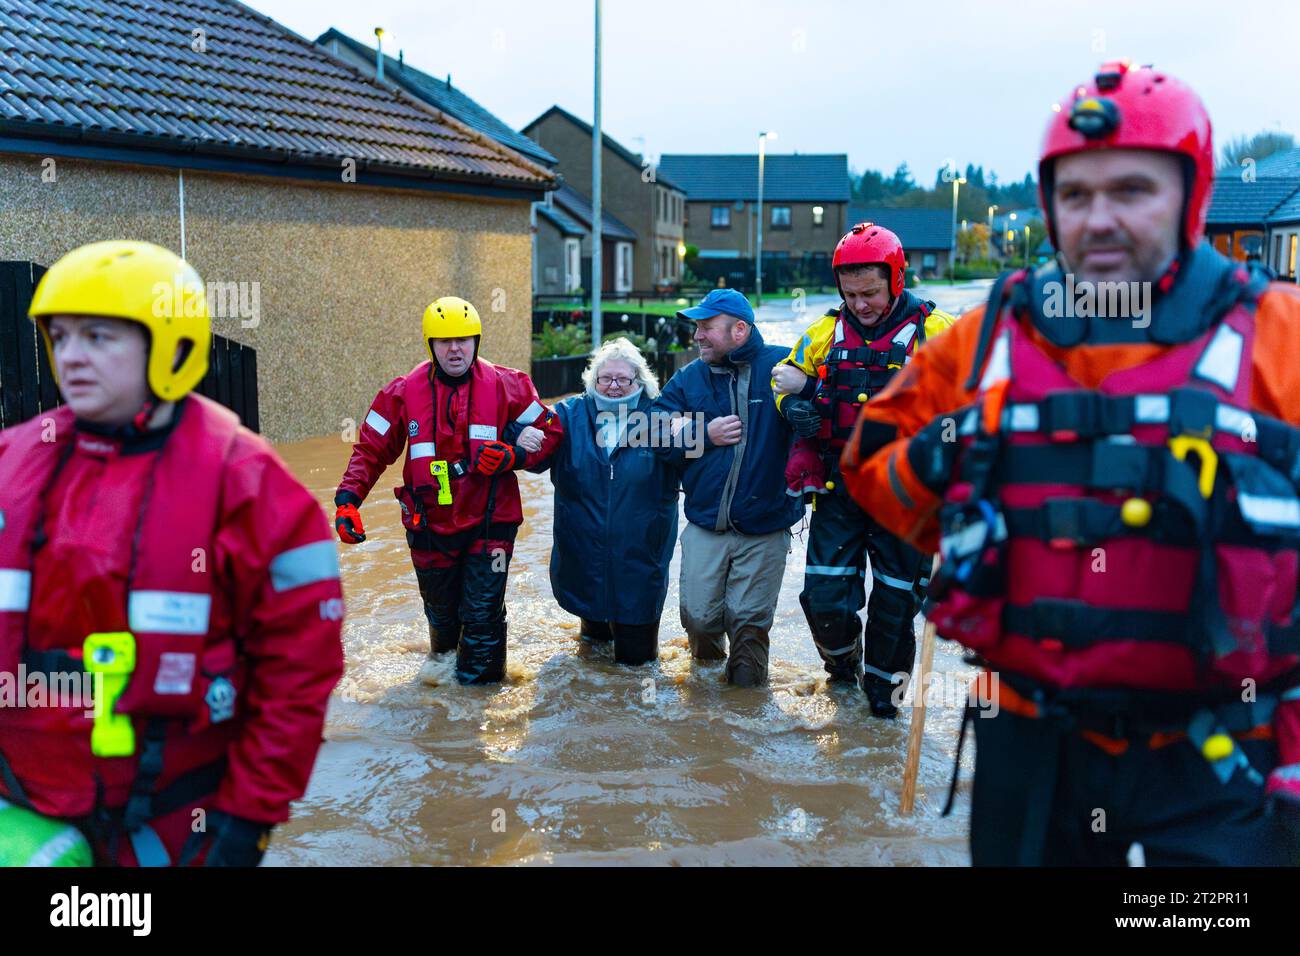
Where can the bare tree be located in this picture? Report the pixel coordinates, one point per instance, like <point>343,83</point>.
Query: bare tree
<point>1254,147</point>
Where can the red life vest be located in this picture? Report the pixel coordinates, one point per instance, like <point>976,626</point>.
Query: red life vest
<point>188,671</point>
<point>857,368</point>
<point>1144,535</point>
<point>443,434</point>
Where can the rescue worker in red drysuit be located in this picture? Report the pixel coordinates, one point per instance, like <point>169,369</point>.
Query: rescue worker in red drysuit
<point>143,529</point>
<point>841,361</point>
<point>1113,492</point>
<point>460,419</point>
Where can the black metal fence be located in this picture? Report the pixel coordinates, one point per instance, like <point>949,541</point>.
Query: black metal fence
<point>561,376</point>
<point>27,385</point>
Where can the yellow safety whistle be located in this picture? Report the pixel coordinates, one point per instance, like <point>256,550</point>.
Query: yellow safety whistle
<point>439,471</point>
<point>1217,746</point>
<point>111,655</point>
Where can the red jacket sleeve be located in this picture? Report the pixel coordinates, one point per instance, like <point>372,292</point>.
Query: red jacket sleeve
<point>380,441</point>
<point>523,407</point>
<point>276,550</point>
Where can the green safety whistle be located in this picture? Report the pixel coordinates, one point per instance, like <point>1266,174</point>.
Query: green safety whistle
<point>439,471</point>
<point>112,656</point>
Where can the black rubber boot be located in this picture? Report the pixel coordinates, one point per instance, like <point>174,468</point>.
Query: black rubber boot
<point>879,696</point>
<point>636,643</point>
<point>481,657</point>
<point>747,662</point>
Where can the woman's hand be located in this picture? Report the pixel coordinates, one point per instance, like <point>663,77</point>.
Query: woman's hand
<point>530,439</point>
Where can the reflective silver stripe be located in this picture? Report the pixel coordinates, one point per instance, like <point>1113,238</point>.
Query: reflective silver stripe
<point>905,334</point>
<point>1150,409</point>
<point>1267,509</point>
<point>378,422</point>
<point>1230,419</point>
<point>835,653</point>
<point>999,366</point>
<point>968,423</point>
<point>1288,772</point>
<point>422,449</point>
<point>1221,361</point>
<point>169,612</point>
<point>1023,418</point>
<point>531,414</point>
<point>893,582</point>
<point>839,331</point>
<point>829,571</point>
<point>896,485</point>
<point>318,561</point>
<point>483,432</point>
<point>1292,694</point>
<point>15,589</point>
<point>892,678</point>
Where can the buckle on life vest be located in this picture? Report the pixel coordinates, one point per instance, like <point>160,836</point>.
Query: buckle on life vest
<point>111,655</point>
<point>1180,445</point>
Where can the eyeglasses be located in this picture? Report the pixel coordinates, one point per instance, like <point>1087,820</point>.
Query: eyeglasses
<point>608,380</point>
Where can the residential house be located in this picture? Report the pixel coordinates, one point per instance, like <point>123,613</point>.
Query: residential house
<point>926,235</point>
<point>639,195</point>
<point>805,204</point>
<point>1255,214</point>
<point>550,275</point>
<point>341,206</point>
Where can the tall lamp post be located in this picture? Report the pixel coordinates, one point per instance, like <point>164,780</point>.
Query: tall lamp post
<point>988,245</point>
<point>597,216</point>
<point>952,255</point>
<point>1026,247</point>
<point>758,265</point>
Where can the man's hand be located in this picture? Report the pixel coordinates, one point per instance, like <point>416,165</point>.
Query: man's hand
<point>347,519</point>
<point>725,430</point>
<point>530,439</point>
<point>495,458</point>
<point>788,380</point>
<point>802,416</point>
<point>230,841</point>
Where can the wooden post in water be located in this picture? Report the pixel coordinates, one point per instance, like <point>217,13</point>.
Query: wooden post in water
<point>916,732</point>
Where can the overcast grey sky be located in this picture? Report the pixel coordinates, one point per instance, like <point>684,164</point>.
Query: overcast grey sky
<point>917,81</point>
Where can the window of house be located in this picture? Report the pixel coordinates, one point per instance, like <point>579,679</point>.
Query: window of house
<point>780,217</point>
<point>572,264</point>
<point>623,267</point>
<point>721,218</point>
<point>819,215</point>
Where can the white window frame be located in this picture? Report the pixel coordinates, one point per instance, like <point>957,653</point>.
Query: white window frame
<point>572,265</point>
<point>623,267</point>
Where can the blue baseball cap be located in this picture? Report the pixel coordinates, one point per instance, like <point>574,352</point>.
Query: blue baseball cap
<point>720,302</point>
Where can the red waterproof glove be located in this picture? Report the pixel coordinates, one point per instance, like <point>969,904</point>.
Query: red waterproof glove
<point>494,458</point>
<point>805,471</point>
<point>347,522</point>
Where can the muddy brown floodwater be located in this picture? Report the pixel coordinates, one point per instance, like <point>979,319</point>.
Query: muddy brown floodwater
<point>576,760</point>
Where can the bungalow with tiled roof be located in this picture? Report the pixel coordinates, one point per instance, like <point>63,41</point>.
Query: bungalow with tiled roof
<point>1255,213</point>
<point>347,205</point>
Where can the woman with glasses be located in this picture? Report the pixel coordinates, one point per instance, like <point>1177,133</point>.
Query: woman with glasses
<point>615,520</point>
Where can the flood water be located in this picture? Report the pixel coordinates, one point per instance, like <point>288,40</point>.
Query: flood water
<point>576,760</point>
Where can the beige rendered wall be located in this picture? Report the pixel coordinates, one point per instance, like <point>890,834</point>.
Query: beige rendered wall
<point>344,272</point>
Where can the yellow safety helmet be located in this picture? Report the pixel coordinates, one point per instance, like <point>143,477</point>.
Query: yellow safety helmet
<point>450,318</point>
<point>138,282</point>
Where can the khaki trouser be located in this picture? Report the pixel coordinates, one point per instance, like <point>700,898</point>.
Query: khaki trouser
<point>730,583</point>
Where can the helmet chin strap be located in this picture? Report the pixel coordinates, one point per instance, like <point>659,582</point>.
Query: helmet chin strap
<point>139,424</point>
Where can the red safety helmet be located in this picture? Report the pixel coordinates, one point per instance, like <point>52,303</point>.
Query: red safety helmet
<point>1128,107</point>
<point>869,244</point>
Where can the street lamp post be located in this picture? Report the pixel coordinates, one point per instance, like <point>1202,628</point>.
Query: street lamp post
<point>597,215</point>
<point>988,250</point>
<point>1026,247</point>
<point>758,264</point>
<point>952,255</point>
